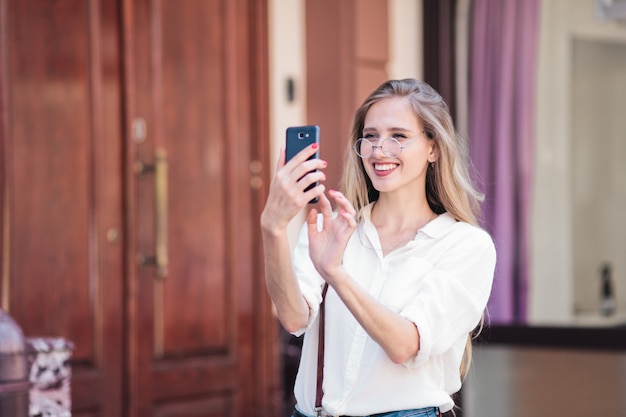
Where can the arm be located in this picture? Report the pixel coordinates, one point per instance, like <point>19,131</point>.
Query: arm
<point>454,295</point>
<point>282,286</point>
<point>398,336</point>
<point>285,200</point>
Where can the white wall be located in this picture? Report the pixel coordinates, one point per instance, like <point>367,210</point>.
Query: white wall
<point>599,170</point>
<point>287,58</point>
<point>405,39</point>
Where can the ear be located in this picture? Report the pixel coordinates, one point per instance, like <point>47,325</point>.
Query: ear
<point>433,153</point>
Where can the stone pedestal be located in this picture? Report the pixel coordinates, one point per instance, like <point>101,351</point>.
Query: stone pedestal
<point>50,374</point>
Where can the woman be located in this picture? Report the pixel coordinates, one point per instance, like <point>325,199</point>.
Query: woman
<point>408,269</point>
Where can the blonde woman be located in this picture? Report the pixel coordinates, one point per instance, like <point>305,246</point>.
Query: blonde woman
<point>407,267</point>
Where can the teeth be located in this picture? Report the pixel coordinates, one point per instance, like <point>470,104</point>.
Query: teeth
<point>384,167</point>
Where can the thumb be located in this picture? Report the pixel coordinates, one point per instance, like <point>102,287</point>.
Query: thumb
<point>311,220</point>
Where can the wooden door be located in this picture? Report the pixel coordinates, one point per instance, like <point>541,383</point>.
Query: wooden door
<point>62,212</point>
<point>89,91</point>
<point>193,71</point>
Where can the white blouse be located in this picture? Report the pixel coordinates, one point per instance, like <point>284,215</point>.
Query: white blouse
<point>440,281</point>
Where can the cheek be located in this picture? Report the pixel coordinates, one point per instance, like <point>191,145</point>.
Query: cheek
<point>366,170</point>
<point>418,158</point>
<point>419,167</point>
<point>365,167</point>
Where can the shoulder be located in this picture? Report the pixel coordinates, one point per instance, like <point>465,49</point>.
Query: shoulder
<point>463,230</point>
<point>462,234</point>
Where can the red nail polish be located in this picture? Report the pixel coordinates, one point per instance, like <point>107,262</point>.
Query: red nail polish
<point>314,146</point>
<point>325,163</point>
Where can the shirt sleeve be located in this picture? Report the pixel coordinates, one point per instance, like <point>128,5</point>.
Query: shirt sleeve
<point>454,295</point>
<point>310,281</point>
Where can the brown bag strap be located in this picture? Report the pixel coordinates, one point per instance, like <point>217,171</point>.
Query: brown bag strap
<point>320,355</point>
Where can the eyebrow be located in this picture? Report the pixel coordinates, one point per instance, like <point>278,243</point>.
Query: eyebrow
<point>393,129</point>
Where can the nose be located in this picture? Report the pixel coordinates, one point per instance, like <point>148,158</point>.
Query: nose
<point>375,147</point>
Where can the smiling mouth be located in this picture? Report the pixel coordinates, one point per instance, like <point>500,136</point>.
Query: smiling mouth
<point>385,167</point>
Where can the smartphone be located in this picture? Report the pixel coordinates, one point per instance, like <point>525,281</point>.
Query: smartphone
<point>298,138</point>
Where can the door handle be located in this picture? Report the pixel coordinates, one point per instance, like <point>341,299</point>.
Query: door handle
<point>160,192</point>
<point>159,169</point>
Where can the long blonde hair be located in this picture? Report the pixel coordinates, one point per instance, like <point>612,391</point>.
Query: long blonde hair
<point>449,185</point>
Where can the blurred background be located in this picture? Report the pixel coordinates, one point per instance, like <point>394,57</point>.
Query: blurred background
<point>138,139</point>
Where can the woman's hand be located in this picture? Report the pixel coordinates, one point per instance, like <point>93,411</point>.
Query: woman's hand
<point>286,194</point>
<point>326,246</point>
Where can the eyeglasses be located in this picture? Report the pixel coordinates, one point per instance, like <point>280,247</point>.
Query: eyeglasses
<point>391,147</point>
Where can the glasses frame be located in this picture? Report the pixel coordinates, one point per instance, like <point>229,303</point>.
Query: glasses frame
<point>359,141</point>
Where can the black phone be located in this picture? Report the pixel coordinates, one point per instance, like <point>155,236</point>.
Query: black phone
<point>298,138</point>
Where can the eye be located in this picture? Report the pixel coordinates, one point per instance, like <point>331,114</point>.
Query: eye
<point>370,137</point>
<point>400,137</point>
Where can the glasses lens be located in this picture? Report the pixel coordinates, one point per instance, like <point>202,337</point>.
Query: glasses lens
<point>363,148</point>
<point>392,147</point>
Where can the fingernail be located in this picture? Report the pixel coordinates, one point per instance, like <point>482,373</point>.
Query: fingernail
<point>314,146</point>
<point>325,163</point>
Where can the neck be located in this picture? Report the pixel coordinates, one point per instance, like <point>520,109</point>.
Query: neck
<point>398,214</point>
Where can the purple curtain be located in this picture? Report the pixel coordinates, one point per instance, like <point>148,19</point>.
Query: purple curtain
<point>503,51</point>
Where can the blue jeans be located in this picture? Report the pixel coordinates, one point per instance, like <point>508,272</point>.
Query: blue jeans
<point>421,412</point>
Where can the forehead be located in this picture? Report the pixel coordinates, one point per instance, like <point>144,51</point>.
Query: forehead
<point>393,112</point>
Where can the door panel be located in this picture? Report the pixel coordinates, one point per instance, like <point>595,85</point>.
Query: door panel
<point>61,82</point>
<point>190,80</point>
<point>195,137</point>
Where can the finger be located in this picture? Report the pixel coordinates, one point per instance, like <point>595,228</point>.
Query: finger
<point>325,207</point>
<point>342,202</point>
<point>309,167</point>
<point>281,159</point>
<point>311,178</point>
<point>303,155</point>
<point>349,217</point>
<point>315,191</point>
<point>311,221</point>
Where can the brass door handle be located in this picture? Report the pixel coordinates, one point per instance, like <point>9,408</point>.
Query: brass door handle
<point>160,192</point>
<point>159,169</point>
